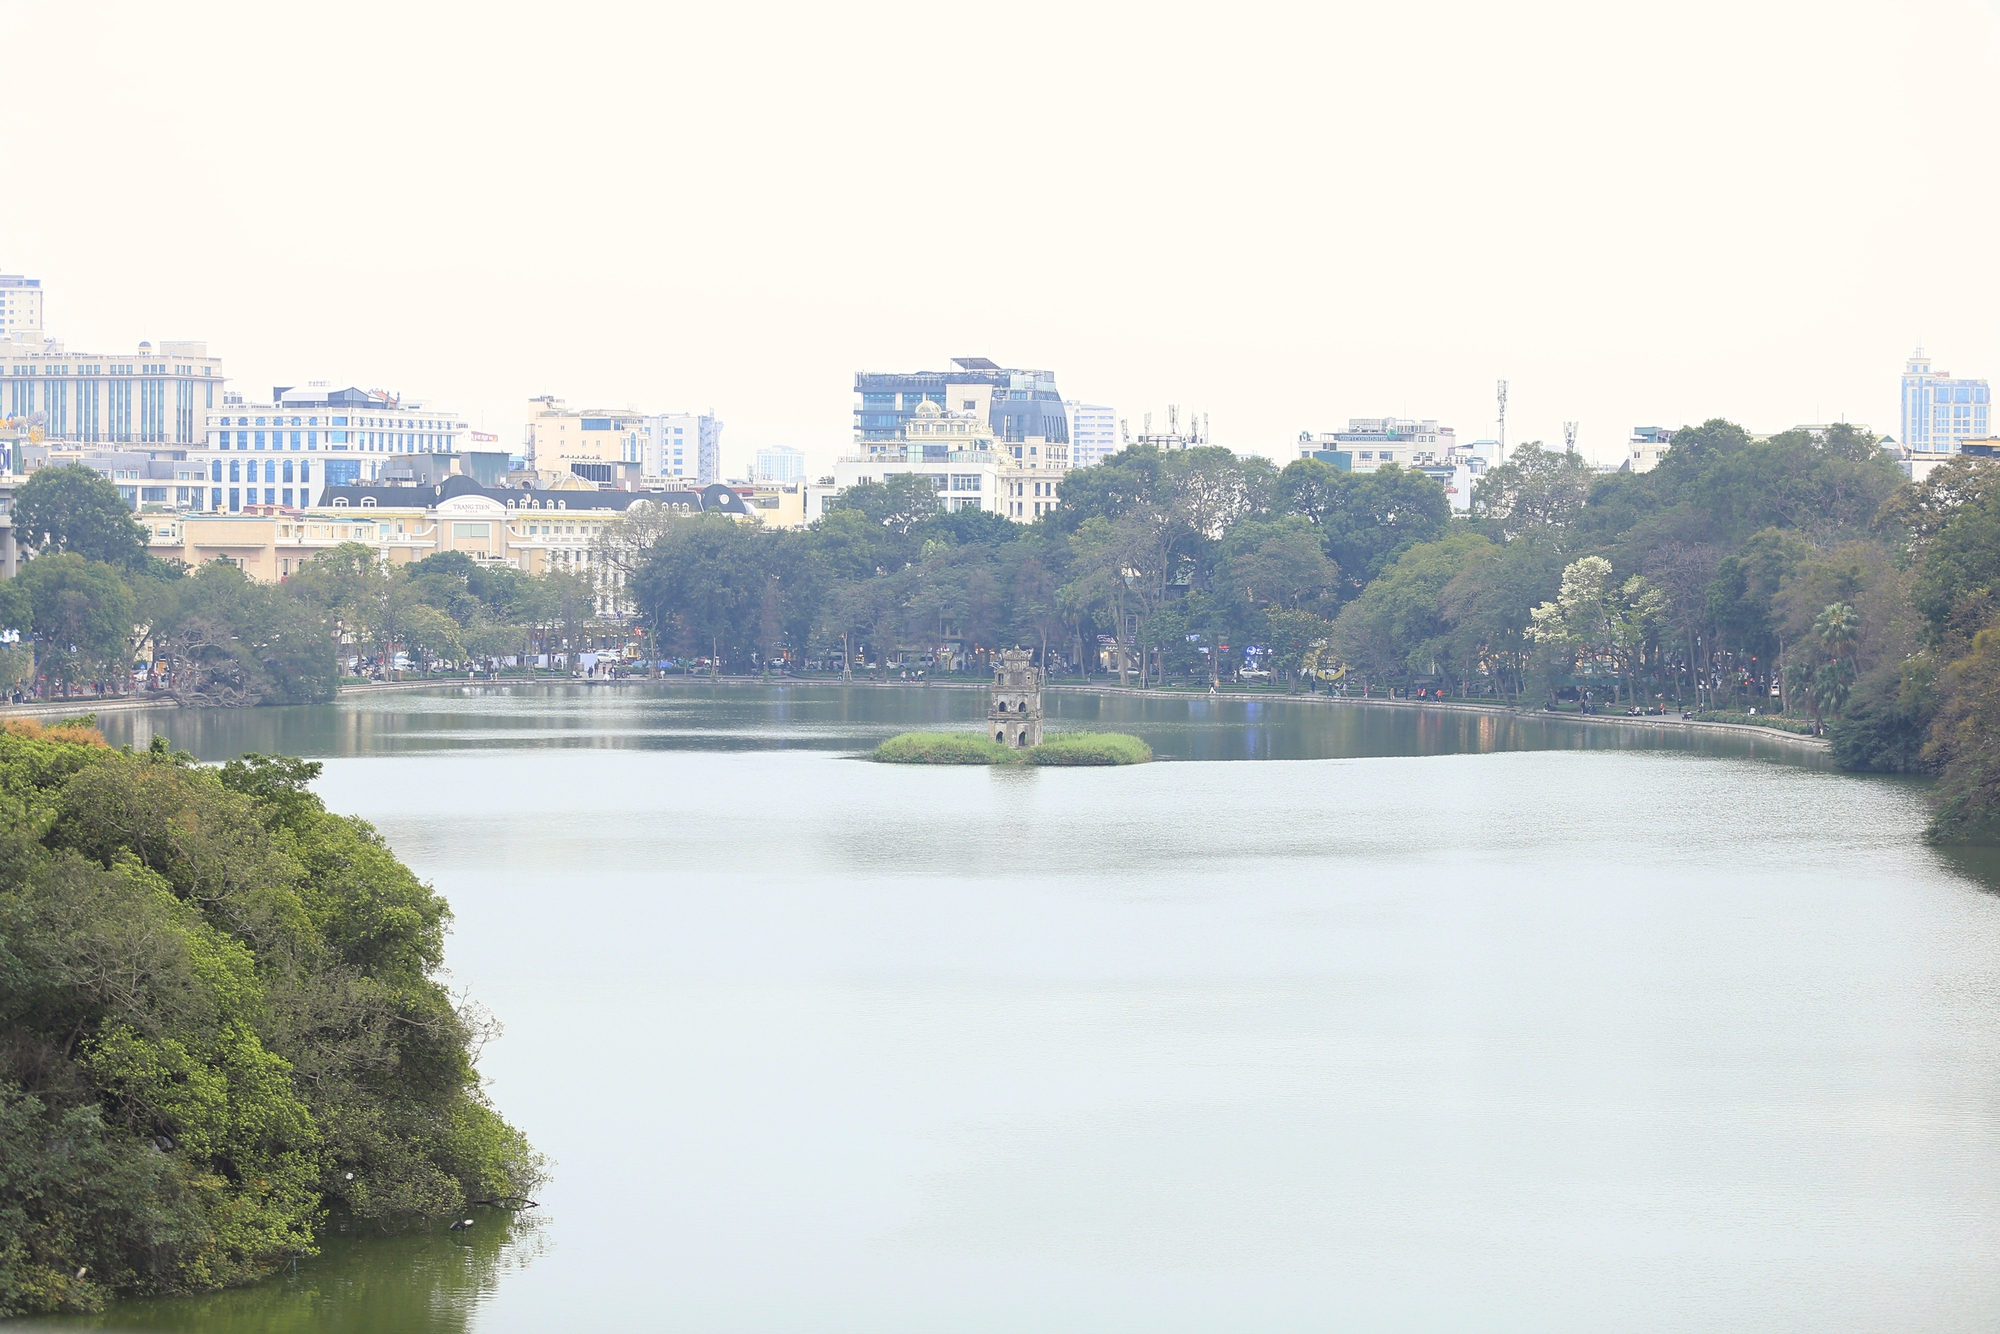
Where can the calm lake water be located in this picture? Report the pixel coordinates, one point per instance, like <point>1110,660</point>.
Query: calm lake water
<point>1449,1022</point>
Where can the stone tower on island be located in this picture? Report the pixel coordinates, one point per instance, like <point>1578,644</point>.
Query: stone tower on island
<point>1015,716</point>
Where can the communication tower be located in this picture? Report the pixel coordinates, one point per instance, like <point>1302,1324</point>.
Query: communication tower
<point>1569,437</point>
<point>1503,423</point>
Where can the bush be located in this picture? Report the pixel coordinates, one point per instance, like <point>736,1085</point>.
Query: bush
<point>942,748</point>
<point>1090,748</point>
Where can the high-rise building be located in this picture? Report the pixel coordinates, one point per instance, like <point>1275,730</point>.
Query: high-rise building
<point>978,414</point>
<point>1093,433</point>
<point>314,435</point>
<point>688,441</point>
<point>780,464</point>
<point>20,306</point>
<point>146,396</point>
<point>1018,405</point>
<point>1939,412</point>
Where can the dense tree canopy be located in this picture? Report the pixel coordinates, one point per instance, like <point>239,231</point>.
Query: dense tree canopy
<point>73,509</point>
<point>221,1020</point>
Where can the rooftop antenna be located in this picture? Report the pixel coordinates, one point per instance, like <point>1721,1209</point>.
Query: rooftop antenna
<point>1173,419</point>
<point>1569,437</point>
<point>1503,423</point>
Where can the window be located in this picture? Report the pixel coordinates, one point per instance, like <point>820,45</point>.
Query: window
<point>340,502</point>
<point>472,530</point>
<point>367,502</point>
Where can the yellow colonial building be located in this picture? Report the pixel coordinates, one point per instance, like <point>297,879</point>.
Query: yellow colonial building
<point>528,530</point>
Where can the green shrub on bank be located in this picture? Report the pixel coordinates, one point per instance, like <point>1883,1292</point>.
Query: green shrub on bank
<point>1090,748</point>
<point>942,748</point>
<point>1771,720</point>
<point>968,748</point>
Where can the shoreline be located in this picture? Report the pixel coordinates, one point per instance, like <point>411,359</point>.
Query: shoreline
<point>1687,727</point>
<point>69,709</point>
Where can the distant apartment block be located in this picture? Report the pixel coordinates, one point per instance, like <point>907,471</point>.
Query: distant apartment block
<point>1648,445</point>
<point>665,445</point>
<point>1093,433</point>
<point>1370,442</point>
<point>779,465</point>
<point>1939,413</point>
<point>20,306</point>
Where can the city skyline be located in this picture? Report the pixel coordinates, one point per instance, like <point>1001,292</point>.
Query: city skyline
<point>1647,264</point>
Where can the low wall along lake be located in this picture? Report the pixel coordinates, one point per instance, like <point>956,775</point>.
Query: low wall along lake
<point>1410,1019</point>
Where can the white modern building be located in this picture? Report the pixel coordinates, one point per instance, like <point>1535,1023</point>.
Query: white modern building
<point>686,444</point>
<point>955,450</point>
<point>20,306</point>
<point>147,396</point>
<point>779,464</point>
<point>1939,412</point>
<point>1093,433</point>
<point>1368,443</point>
<point>313,436</point>
<point>1648,445</point>
<point>153,396</point>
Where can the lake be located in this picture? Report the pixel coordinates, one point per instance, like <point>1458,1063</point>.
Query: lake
<point>1408,1020</point>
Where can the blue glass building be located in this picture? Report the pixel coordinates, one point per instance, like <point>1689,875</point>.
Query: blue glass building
<point>1940,413</point>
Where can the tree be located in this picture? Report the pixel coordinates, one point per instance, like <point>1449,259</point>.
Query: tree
<point>73,509</point>
<point>1537,492</point>
<point>1397,625</point>
<point>82,613</point>
<point>1592,619</point>
<point>222,1022</point>
<point>1965,746</point>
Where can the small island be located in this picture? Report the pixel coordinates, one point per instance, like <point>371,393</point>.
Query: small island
<point>971,748</point>
<point>1014,717</point>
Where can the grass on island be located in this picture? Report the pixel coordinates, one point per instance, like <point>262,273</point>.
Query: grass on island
<point>966,748</point>
<point>1089,748</point>
<point>942,748</point>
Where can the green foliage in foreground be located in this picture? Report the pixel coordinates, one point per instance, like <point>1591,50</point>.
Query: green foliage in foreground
<point>220,1022</point>
<point>1089,748</point>
<point>966,748</point>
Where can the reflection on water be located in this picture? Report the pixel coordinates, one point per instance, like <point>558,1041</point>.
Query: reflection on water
<point>433,1282</point>
<point>700,716</point>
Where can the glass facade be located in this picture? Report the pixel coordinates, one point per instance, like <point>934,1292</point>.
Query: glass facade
<point>1940,413</point>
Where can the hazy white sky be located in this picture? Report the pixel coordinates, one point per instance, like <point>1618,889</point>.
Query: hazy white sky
<point>1283,216</point>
